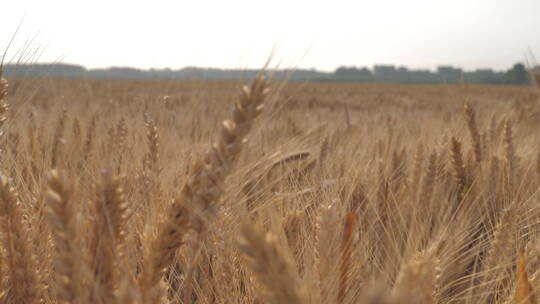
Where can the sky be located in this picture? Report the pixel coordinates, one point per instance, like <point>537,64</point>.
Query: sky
<point>243,34</point>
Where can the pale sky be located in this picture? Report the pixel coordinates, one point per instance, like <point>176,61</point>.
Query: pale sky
<point>242,34</point>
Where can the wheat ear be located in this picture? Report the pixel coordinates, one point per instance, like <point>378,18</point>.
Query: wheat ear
<point>121,145</point>
<point>271,267</point>
<point>109,237</point>
<point>428,182</point>
<point>417,169</point>
<point>151,161</point>
<point>204,187</point>
<point>88,142</point>
<point>198,197</point>
<point>459,169</point>
<point>20,279</point>
<point>498,256</point>
<point>509,152</point>
<point>470,117</point>
<point>62,219</point>
<point>58,138</point>
<point>346,252</point>
<point>503,236</point>
<point>419,278</point>
<point>524,292</point>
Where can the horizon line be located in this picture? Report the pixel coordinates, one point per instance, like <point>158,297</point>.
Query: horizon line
<point>397,66</point>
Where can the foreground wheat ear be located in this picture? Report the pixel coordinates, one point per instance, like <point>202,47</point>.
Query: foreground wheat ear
<point>62,218</point>
<point>20,278</point>
<point>196,205</point>
<point>271,267</point>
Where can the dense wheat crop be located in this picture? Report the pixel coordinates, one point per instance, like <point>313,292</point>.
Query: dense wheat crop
<point>148,192</point>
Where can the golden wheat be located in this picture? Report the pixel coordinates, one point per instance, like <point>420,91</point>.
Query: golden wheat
<point>124,195</point>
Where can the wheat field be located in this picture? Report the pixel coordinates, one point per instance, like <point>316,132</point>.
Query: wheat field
<point>214,192</point>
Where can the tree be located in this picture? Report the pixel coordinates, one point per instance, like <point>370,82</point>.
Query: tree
<point>517,74</point>
<point>353,73</point>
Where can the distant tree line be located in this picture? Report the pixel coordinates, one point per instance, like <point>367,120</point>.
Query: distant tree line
<point>517,74</point>
<point>39,70</point>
